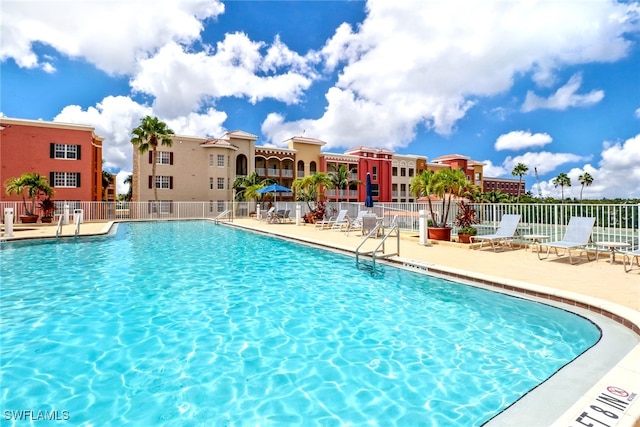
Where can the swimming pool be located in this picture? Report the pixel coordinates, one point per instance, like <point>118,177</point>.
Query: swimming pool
<point>190,323</point>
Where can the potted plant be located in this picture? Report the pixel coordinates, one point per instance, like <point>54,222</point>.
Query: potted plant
<point>443,185</point>
<point>35,186</point>
<point>465,219</point>
<point>48,207</point>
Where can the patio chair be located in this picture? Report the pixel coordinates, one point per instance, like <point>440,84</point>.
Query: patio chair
<point>628,258</point>
<point>577,236</point>
<point>268,214</point>
<point>341,220</point>
<point>333,221</point>
<point>283,215</point>
<point>506,231</point>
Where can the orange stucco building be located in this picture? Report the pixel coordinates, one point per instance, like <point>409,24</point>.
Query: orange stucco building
<point>68,155</point>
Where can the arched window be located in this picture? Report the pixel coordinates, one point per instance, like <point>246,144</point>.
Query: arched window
<point>312,167</point>
<point>242,165</point>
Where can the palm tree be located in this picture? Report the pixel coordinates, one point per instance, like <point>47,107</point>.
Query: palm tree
<point>129,180</point>
<point>35,186</point>
<point>562,179</point>
<point>496,196</point>
<point>340,178</point>
<point>246,186</point>
<point>107,179</point>
<point>585,179</point>
<point>519,170</point>
<point>309,189</point>
<point>443,184</point>
<point>147,137</point>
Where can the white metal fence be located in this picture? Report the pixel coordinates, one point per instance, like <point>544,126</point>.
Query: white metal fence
<point>614,222</point>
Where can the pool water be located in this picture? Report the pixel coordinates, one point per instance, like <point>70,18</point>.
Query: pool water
<point>191,323</point>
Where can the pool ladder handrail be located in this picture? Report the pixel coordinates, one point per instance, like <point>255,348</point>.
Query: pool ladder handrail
<point>220,217</point>
<point>374,232</point>
<point>59,228</point>
<point>77,227</point>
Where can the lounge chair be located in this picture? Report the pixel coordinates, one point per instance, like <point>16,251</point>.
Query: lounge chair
<point>356,223</point>
<point>333,221</point>
<point>341,220</point>
<point>577,236</point>
<point>506,231</point>
<point>628,258</point>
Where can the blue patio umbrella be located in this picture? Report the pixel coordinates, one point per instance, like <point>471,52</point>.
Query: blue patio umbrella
<point>273,188</point>
<point>368,200</point>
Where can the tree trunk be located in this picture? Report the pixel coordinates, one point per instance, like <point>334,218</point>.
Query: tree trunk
<point>153,174</point>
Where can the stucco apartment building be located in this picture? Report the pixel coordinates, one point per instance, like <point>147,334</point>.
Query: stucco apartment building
<point>69,155</point>
<point>197,169</point>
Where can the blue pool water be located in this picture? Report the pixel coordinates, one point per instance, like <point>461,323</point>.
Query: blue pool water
<point>191,323</point>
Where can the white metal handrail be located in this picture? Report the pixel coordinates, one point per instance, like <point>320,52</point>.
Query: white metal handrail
<point>222,215</point>
<point>77,227</point>
<point>374,232</point>
<point>59,228</point>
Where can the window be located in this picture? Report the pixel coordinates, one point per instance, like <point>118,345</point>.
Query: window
<point>210,160</point>
<point>220,160</point>
<point>65,179</point>
<point>64,151</point>
<point>220,183</point>
<point>162,182</point>
<point>164,158</point>
<point>394,171</point>
<point>411,172</point>
<point>221,205</point>
<point>403,172</point>
<point>374,190</point>
<point>210,183</point>
<point>374,175</point>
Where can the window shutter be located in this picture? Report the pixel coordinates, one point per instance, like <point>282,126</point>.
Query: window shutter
<point>170,183</point>
<point>171,206</point>
<point>171,158</point>
<point>150,181</point>
<point>79,147</point>
<point>150,158</point>
<point>78,180</point>
<point>52,150</point>
<point>51,179</point>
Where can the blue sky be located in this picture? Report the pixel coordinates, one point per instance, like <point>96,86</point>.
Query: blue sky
<point>554,85</point>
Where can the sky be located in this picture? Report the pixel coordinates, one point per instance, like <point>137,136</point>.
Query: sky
<point>551,84</point>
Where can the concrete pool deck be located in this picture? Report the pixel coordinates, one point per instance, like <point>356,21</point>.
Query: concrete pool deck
<point>599,287</point>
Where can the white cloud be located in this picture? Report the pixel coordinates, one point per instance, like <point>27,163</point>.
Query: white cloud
<point>491,170</point>
<point>518,140</point>
<point>637,113</point>
<point>113,35</point>
<point>563,98</point>
<point>616,176</point>
<point>115,117</point>
<point>414,63</point>
<point>181,81</point>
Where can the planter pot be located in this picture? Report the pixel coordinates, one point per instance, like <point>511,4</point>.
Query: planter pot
<point>46,219</point>
<point>464,238</point>
<point>28,219</point>
<point>437,233</point>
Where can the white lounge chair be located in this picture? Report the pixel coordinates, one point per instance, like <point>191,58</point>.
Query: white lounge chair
<point>341,220</point>
<point>629,257</point>
<point>268,215</point>
<point>577,236</point>
<point>356,223</point>
<point>506,231</point>
<point>331,222</point>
